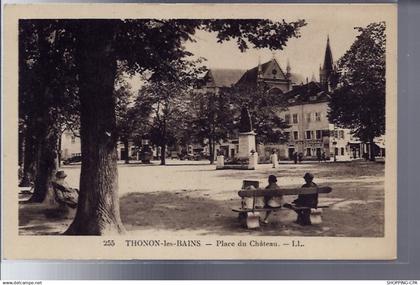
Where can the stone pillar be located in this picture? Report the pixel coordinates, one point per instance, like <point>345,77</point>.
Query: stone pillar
<point>220,162</point>
<point>316,216</point>
<point>246,144</point>
<point>253,161</point>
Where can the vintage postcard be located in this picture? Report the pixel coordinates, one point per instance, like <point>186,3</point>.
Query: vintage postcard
<point>199,131</point>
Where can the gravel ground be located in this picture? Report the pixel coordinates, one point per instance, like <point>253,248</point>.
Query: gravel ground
<point>185,197</point>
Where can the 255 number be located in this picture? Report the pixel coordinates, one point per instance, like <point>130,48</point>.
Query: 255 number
<point>109,242</point>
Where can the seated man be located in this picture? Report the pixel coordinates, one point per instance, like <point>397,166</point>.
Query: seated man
<point>64,194</point>
<point>307,200</point>
<point>272,202</point>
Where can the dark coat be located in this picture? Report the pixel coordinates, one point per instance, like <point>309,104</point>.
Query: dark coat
<point>308,200</point>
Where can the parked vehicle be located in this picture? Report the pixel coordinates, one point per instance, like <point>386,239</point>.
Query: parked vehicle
<point>146,154</point>
<point>73,159</point>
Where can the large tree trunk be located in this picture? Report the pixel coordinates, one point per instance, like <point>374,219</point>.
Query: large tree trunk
<point>43,125</point>
<point>47,159</point>
<point>98,206</point>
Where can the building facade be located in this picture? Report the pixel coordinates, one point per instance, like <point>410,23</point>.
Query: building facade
<point>310,132</point>
<point>70,145</point>
<point>304,108</point>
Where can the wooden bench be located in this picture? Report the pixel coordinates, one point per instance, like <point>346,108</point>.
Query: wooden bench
<point>251,215</point>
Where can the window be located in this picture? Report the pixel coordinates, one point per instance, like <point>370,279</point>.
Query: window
<point>287,135</point>
<point>318,116</point>
<point>341,135</point>
<point>295,118</point>
<point>287,118</point>
<point>336,151</point>
<point>318,134</point>
<point>308,135</point>
<point>308,152</point>
<point>342,151</point>
<point>73,139</point>
<point>335,134</point>
<point>296,135</point>
<point>308,117</point>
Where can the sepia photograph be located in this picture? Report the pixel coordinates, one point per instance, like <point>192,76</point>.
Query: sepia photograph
<point>235,132</point>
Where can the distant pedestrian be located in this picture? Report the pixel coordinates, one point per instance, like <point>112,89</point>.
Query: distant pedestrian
<point>274,159</point>
<point>295,157</point>
<point>300,157</point>
<point>365,156</point>
<point>324,157</point>
<point>318,156</point>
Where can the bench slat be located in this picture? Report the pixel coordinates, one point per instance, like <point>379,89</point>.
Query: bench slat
<point>240,210</point>
<point>281,192</point>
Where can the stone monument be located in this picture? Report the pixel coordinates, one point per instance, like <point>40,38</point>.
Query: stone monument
<point>246,135</point>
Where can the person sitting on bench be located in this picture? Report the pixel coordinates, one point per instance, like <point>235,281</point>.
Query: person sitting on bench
<point>307,200</point>
<point>272,202</point>
<point>64,194</point>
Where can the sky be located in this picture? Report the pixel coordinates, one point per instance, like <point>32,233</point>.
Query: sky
<point>305,53</point>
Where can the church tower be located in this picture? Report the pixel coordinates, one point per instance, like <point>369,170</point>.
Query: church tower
<point>327,69</point>
<point>288,69</point>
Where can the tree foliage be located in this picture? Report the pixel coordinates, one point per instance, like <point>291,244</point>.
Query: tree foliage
<point>263,107</point>
<point>47,95</point>
<point>96,49</point>
<point>168,96</point>
<point>359,101</point>
<point>211,119</point>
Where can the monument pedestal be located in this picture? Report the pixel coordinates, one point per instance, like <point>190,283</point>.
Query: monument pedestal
<point>246,144</point>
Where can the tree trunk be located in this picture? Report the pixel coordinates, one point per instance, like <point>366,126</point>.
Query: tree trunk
<point>127,156</point>
<point>47,157</point>
<point>211,150</point>
<point>29,154</point>
<point>163,154</point>
<point>98,206</point>
<point>371,150</point>
<point>59,149</point>
<point>214,150</point>
<point>44,121</point>
<point>163,144</point>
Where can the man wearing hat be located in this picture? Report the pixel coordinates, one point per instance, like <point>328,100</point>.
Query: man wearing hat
<point>307,200</point>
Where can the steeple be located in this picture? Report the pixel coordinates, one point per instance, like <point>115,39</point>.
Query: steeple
<point>328,59</point>
<point>327,68</point>
<point>288,68</point>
